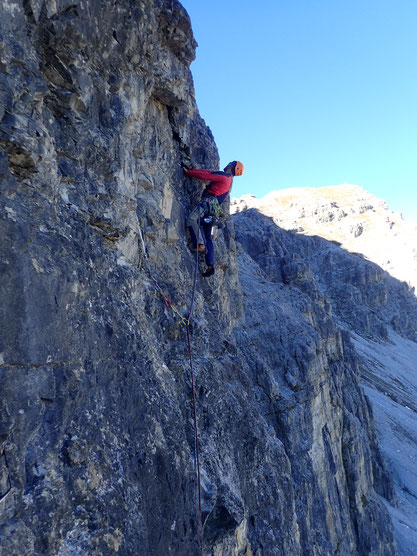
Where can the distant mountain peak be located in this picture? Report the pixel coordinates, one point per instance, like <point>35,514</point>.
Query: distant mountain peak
<point>347,213</point>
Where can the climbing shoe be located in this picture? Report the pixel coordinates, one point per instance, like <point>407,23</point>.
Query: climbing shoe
<point>201,248</point>
<point>209,271</point>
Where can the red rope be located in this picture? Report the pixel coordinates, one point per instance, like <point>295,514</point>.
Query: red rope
<point>197,451</point>
<point>185,321</point>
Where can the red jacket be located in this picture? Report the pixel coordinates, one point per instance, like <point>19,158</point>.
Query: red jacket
<point>220,182</point>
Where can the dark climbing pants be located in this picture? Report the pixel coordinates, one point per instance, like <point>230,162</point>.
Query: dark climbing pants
<point>204,232</point>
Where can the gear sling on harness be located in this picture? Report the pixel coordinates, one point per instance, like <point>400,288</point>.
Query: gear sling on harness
<point>212,211</point>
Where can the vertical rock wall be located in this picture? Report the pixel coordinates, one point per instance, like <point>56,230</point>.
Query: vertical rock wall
<point>305,374</point>
<point>97,111</point>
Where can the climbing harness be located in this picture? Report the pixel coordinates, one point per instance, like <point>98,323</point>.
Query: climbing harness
<point>212,211</point>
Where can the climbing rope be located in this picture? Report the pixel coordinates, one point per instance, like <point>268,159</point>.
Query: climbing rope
<point>196,443</point>
<point>186,322</point>
<point>168,302</point>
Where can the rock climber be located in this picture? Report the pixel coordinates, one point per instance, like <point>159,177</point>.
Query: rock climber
<point>215,192</point>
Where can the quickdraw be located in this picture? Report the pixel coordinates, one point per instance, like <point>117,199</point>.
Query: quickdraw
<point>169,303</point>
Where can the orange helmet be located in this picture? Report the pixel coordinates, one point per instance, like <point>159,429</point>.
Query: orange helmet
<point>238,171</point>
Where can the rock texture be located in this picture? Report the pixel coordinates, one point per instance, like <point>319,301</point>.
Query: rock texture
<point>390,381</point>
<point>377,311</point>
<point>97,111</point>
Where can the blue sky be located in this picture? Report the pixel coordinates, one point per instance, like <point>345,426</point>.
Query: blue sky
<point>310,93</point>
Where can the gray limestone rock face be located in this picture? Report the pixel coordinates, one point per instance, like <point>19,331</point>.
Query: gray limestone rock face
<point>371,307</point>
<point>97,447</point>
<point>306,373</point>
